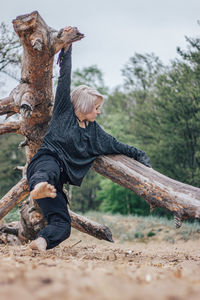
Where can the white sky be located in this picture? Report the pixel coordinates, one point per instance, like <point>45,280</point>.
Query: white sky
<point>116,29</point>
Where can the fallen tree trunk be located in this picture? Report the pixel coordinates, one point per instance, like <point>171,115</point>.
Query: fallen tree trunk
<point>181,199</point>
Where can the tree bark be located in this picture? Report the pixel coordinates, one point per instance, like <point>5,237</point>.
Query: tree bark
<point>13,197</point>
<point>90,227</point>
<point>8,106</point>
<point>33,99</point>
<point>181,199</point>
<point>10,127</point>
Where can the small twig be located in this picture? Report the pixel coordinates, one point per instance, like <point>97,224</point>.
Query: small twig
<point>75,244</point>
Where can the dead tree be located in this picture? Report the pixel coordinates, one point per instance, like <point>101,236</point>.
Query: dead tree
<point>33,100</point>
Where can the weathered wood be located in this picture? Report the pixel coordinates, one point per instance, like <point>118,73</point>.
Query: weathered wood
<point>92,228</point>
<point>8,229</point>
<point>8,106</point>
<point>158,190</point>
<point>13,197</point>
<point>10,127</point>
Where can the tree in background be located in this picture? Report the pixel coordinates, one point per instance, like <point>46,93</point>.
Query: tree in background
<point>91,76</point>
<point>116,199</point>
<point>141,71</point>
<point>10,51</point>
<point>167,122</point>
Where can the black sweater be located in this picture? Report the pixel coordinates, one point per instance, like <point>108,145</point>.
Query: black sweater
<point>74,146</point>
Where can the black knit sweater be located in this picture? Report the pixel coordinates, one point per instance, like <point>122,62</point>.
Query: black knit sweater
<point>74,146</point>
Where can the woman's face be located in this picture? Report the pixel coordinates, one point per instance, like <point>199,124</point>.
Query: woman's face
<point>95,112</point>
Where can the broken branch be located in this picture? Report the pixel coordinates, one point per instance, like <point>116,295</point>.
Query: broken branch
<point>61,38</point>
<point>13,197</point>
<point>10,127</point>
<point>92,228</point>
<point>158,190</point>
<point>7,106</point>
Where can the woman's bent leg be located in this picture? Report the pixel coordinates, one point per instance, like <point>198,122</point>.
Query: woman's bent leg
<point>59,223</point>
<point>54,210</point>
<point>43,169</point>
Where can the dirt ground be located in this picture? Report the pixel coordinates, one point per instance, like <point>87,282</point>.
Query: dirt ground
<point>85,268</point>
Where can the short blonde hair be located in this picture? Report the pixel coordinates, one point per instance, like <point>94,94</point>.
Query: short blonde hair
<point>83,99</point>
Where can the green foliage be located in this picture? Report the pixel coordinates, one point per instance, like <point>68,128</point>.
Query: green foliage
<point>150,233</point>
<point>84,197</point>
<point>12,216</point>
<point>117,199</point>
<point>167,123</point>
<point>141,71</point>
<point>117,117</point>
<point>10,157</point>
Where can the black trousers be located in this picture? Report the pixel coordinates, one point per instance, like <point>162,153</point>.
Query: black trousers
<point>47,168</point>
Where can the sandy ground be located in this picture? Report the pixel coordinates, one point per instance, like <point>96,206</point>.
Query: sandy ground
<point>85,268</point>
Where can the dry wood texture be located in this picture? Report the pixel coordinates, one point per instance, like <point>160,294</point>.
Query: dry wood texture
<point>158,190</point>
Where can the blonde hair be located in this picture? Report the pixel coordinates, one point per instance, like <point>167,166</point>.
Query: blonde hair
<point>83,99</point>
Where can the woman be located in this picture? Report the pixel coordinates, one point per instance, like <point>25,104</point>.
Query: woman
<point>72,143</point>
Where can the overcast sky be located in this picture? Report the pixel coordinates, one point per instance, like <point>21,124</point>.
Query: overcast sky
<point>116,29</point>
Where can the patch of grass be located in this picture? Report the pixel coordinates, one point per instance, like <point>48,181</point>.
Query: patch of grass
<point>150,233</point>
<point>189,231</point>
<point>130,228</point>
<point>139,235</point>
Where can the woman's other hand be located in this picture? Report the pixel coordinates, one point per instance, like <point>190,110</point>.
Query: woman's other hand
<point>143,158</point>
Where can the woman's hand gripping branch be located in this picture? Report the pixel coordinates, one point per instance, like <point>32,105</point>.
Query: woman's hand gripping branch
<point>70,35</point>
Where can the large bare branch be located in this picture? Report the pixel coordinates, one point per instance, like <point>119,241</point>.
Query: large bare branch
<point>92,228</point>
<point>59,39</point>
<point>158,190</point>
<point>13,197</point>
<point>10,127</point>
<point>8,106</point>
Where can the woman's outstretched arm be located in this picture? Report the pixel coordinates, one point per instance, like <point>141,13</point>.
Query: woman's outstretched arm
<point>107,144</point>
<point>62,99</point>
